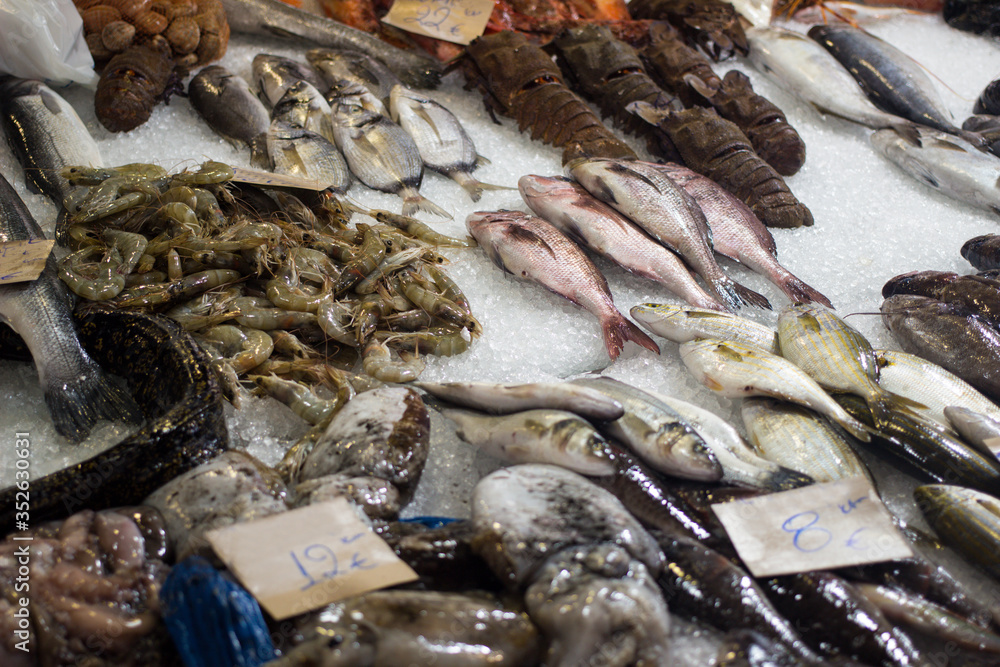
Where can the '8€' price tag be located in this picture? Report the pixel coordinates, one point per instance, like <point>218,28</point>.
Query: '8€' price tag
<point>817,527</point>
<point>459,21</point>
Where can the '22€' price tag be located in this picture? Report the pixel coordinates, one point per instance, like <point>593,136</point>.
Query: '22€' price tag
<point>458,21</point>
<point>817,527</point>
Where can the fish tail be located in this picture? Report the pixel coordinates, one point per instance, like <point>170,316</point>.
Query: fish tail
<point>475,188</point>
<point>413,201</point>
<point>747,296</point>
<point>852,426</point>
<point>909,131</point>
<point>77,405</point>
<point>618,329</point>
<point>883,404</point>
<point>786,479</point>
<point>799,292</point>
<point>259,156</point>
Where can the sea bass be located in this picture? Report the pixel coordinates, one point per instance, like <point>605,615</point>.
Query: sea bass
<point>225,102</point>
<point>77,390</point>
<point>46,134</point>
<point>443,143</point>
<point>383,156</point>
<point>738,234</point>
<point>272,17</point>
<point>642,193</point>
<point>595,225</point>
<point>945,162</point>
<point>529,247</point>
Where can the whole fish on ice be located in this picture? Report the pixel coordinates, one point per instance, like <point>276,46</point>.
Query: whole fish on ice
<point>225,102</point>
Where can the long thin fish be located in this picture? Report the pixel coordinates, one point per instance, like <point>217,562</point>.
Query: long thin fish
<point>77,390</point>
<point>273,17</point>
<point>966,519</point>
<point>504,398</point>
<point>681,324</point>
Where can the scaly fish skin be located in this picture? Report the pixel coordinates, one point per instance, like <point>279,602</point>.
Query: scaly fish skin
<point>299,152</point>
<point>504,399</point>
<point>595,225</point>
<point>304,106</point>
<point>77,390</point>
<point>46,134</point>
<point>531,248</point>
<point>645,196</point>
<point>735,370</point>
<point>226,103</point>
<point>681,324</point>
<point>335,65</point>
<point>273,75</point>
<point>966,519</point>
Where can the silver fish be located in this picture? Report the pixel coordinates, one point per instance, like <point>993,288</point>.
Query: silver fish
<point>46,135</point>
<point>537,436</point>
<point>738,234</point>
<point>735,370</point>
<point>741,466</point>
<point>444,144</point>
<point>352,92</point>
<point>335,65</point>
<point>382,156</point>
<point>800,439</point>
<point>965,519</point>
<point>304,106</point>
<point>273,17</point>
<point>299,152</point>
<point>979,430</point>
<point>595,225</point>
<point>273,75</point>
<point>656,433</point>
<point>681,324</point>
<point>501,399</point>
<point>77,391</point>
<point>812,74</point>
<point>661,207</point>
<point>529,247</point>
<point>945,162</point>
<point>225,102</point>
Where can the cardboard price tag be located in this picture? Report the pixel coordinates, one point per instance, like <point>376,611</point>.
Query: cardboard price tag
<point>268,179</point>
<point>458,21</point>
<point>993,444</point>
<point>308,557</point>
<point>23,261</point>
<point>816,527</point>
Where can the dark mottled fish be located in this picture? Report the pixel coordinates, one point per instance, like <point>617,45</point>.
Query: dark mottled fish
<point>77,390</point>
<point>225,102</point>
<point>978,294</point>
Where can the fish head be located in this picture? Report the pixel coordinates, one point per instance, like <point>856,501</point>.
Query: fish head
<point>692,456</point>
<point>352,115</point>
<point>534,186</point>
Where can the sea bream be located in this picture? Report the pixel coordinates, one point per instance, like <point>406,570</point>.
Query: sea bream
<point>226,103</point>
<point>273,75</point>
<point>304,106</point>
<point>648,198</point>
<point>443,143</point>
<point>531,248</point>
<point>382,156</point>
<point>77,390</point>
<point>335,65</point>
<point>600,228</point>
<point>297,151</point>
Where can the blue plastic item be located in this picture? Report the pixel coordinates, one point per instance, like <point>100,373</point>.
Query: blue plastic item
<point>213,621</point>
<point>429,521</point>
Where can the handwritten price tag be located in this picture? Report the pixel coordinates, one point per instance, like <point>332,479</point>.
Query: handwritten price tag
<point>309,557</point>
<point>266,178</point>
<point>459,21</point>
<point>23,261</point>
<point>816,527</point>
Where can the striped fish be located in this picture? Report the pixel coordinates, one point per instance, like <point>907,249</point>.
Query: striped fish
<point>683,323</point>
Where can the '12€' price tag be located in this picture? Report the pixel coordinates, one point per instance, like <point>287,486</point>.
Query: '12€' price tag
<point>308,557</point>
<point>817,527</point>
<point>458,21</point>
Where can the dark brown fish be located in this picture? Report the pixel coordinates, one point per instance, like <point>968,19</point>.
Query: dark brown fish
<point>983,252</point>
<point>980,295</point>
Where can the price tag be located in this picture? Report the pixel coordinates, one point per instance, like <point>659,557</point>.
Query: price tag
<point>993,444</point>
<point>309,557</point>
<point>816,527</point>
<point>458,21</point>
<point>268,179</point>
<point>23,261</point>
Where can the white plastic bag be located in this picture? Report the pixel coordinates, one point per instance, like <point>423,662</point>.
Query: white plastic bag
<point>43,39</point>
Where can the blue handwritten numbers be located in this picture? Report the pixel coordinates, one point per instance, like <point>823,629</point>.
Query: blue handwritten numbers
<point>319,562</point>
<point>809,537</point>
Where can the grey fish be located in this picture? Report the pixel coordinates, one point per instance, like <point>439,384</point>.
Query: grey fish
<point>800,439</point>
<point>531,248</point>
<point>304,106</point>
<point>345,91</point>
<point>335,65</point>
<point>77,391</point>
<point>965,519</point>
<point>945,162</point>
<point>536,436</point>
<point>595,225</point>
<point>656,433</point>
<point>273,17</point>
<point>383,156</point>
<point>46,134</point>
<point>891,79</point>
<point>979,430</point>
<point>443,143</point>
<point>681,324</point>
<point>501,399</point>
<point>948,335</point>
<point>225,102</point>
<point>273,75</point>
<point>738,234</point>
<point>670,215</point>
<point>299,152</point>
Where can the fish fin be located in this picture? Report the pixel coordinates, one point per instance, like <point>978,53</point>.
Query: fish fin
<point>910,132</point>
<point>799,292</point>
<point>786,479</point>
<point>259,156</point>
<point>77,405</point>
<point>749,297</point>
<point>426,117</point>
<point>480,160</point>
<point>413,201</point>
<point>652,114</point>
<point>625,169</point>
<point>473,187</point>
<point>700,86</point>
<point>618,329</point>
<point>974,138</point>
<point>50,100</point>
<point>527,236</point>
